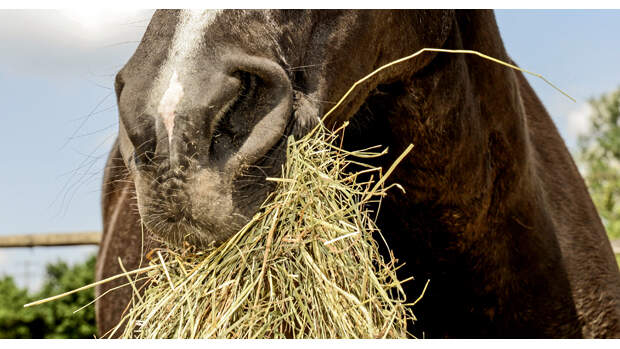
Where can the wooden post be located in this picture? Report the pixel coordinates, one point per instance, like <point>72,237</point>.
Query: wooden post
<point>61,239</point>
<point>94,238</point>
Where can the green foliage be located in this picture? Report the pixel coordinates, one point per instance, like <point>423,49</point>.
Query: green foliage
<point>54,319</point>
<point>599,154</point>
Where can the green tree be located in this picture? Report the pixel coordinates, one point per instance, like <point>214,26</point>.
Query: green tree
<point>599,155</point>
<point>53,319</point>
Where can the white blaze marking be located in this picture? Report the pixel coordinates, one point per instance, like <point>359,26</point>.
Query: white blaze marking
<point>187,39</point>
<point>189,34</point>
<point>169,102</point>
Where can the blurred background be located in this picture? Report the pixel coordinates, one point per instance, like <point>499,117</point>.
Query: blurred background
<point>59,120</point>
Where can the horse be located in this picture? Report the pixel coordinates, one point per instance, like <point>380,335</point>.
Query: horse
<point>495,213</point>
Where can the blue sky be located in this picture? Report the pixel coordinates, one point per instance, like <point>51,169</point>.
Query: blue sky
<point>59,115</point>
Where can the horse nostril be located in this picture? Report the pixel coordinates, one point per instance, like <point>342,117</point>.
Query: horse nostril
<point>257,119</point>
<point>237,118</point>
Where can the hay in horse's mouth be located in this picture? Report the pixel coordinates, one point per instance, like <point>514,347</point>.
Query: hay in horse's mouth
<point>306,266</point>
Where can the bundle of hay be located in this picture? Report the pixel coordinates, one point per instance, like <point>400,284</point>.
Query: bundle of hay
<point>306,266</point>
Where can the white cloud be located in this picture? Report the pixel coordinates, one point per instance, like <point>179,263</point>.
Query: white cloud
<point>58,42</point>
<point>578,121</point>
<point>106,24</point>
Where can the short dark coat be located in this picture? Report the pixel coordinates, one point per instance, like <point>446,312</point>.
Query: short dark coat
<point>495,213</point>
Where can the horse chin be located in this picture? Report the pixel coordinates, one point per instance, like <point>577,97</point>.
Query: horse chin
<point>181,231</point>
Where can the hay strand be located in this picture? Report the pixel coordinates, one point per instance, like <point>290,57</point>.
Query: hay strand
<point>429,49</point>
<point>49,299</point>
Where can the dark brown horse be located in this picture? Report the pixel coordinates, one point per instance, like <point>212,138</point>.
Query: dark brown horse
<point>495,213</point>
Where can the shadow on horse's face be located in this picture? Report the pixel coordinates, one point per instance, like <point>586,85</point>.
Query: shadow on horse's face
<point>209,98</point>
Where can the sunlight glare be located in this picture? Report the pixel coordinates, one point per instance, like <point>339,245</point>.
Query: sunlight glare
<point>95,21</point>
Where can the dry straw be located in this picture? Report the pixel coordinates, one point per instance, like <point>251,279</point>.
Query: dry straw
<point>306,266</point>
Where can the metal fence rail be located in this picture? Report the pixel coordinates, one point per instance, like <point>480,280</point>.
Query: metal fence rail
<point>60,239</point>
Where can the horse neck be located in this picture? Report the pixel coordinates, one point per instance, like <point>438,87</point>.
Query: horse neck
<point>474,209</point>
